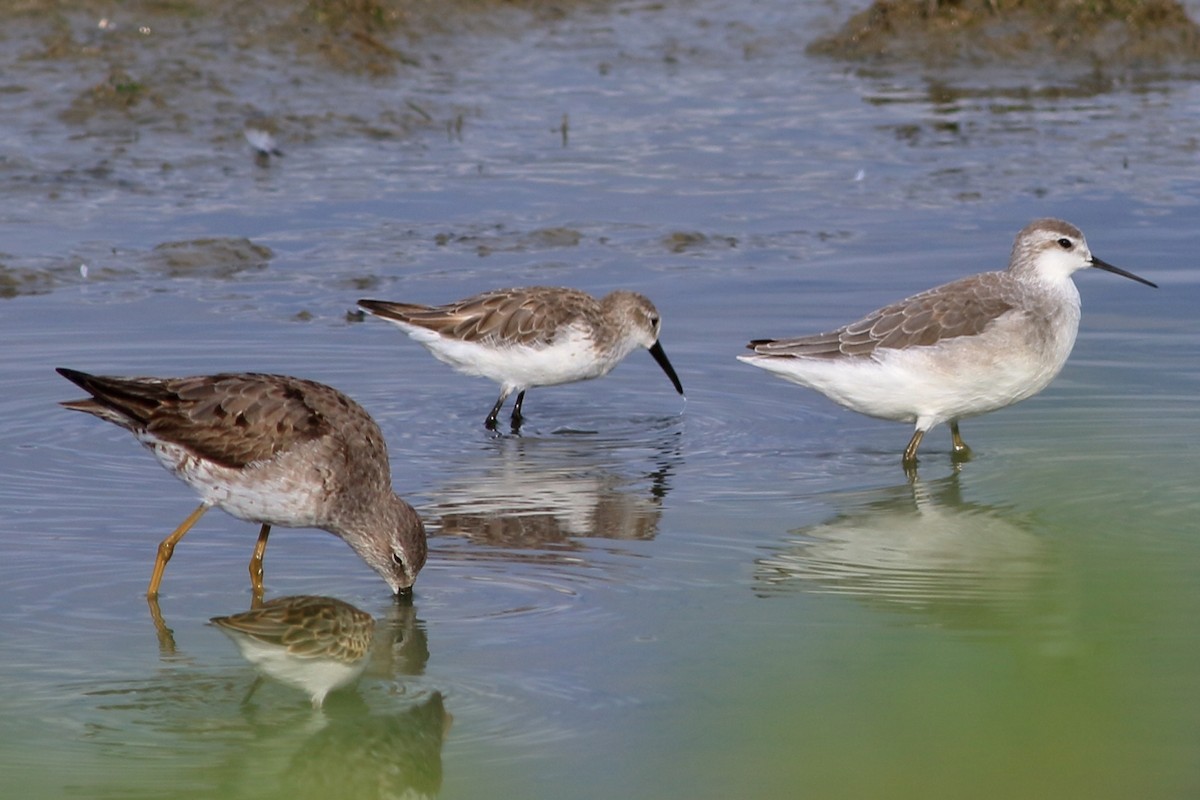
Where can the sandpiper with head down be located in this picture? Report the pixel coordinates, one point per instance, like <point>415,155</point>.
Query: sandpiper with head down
<point>532,336</point>
<point>270,449</point>
<point>955,351</point>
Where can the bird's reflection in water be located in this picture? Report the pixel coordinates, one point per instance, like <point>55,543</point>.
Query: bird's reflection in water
<point>546,494</point>
<point>321,644</point>
<point>373,756</point>
<point>920,547</point>
<point>401,646</point>
<point>201,732</point>
<point>316,644</point>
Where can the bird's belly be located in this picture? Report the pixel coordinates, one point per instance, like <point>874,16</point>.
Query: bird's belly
<point>267,492</point>
<point>520,366</point>
<point>316,675</point>
<point>932,384</point>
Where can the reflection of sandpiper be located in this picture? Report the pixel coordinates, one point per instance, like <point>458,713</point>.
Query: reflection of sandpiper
<point>917,547</point>
<point>540,496</point>
<point>316,644</point>
<point>383,756</point>
<point>360,744</point>
<point>270,449</point>
<point>401,646</point>
<point>532,336</point>
<point>962,349</point>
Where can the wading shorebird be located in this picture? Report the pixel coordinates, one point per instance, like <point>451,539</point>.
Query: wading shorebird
<point>532,336</point>
<point>959,350</point>
<point>269,449</point>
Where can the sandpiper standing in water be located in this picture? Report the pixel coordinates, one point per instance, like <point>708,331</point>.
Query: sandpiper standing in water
<point>532,336</point>
<point>269,449</point>
<point>955,351</point>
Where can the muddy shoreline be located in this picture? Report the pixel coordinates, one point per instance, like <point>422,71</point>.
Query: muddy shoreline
<point>1116,35</point>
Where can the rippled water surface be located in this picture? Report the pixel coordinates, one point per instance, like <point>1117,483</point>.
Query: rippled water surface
<point>736,595</point>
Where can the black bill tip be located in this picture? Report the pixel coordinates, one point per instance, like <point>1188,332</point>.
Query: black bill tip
<point>1104,265</point>
<point>661,357</point>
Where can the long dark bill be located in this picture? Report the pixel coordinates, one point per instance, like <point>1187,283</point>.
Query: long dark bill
<point>1104,265</point>
<point>661,358</point>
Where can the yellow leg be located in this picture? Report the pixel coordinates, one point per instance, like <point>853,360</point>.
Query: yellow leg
<point>167,546</point>
<point>961,451</point>
<point>166,638</point>
<point>910,452</point>
<point>256,561</point>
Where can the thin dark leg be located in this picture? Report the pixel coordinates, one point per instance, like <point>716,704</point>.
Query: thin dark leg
<point>910,452</point>
<point>960,450</point>
<point>516,415</point>
<point>490,422</point>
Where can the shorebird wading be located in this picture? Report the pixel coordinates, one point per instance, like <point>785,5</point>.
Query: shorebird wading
<point>269,449</point>
<point>532,336</point>
<point>962,349</point>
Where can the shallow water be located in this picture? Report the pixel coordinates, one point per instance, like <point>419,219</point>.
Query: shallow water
<point>736,595</point>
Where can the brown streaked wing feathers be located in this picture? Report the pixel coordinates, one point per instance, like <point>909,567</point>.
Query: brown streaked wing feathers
<point>306,627</point>
<point>389,310</point>
<point>232,419</point>
<point>962,308</point>
<point>527,316</point>
<point>270,416</point>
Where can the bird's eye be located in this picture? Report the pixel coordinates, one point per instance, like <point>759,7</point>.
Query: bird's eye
<point>397,559</point>
<point>1065,243</point>
<point>654,321</point>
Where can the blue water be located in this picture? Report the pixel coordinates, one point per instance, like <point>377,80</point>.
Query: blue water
<point>736,595</point>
